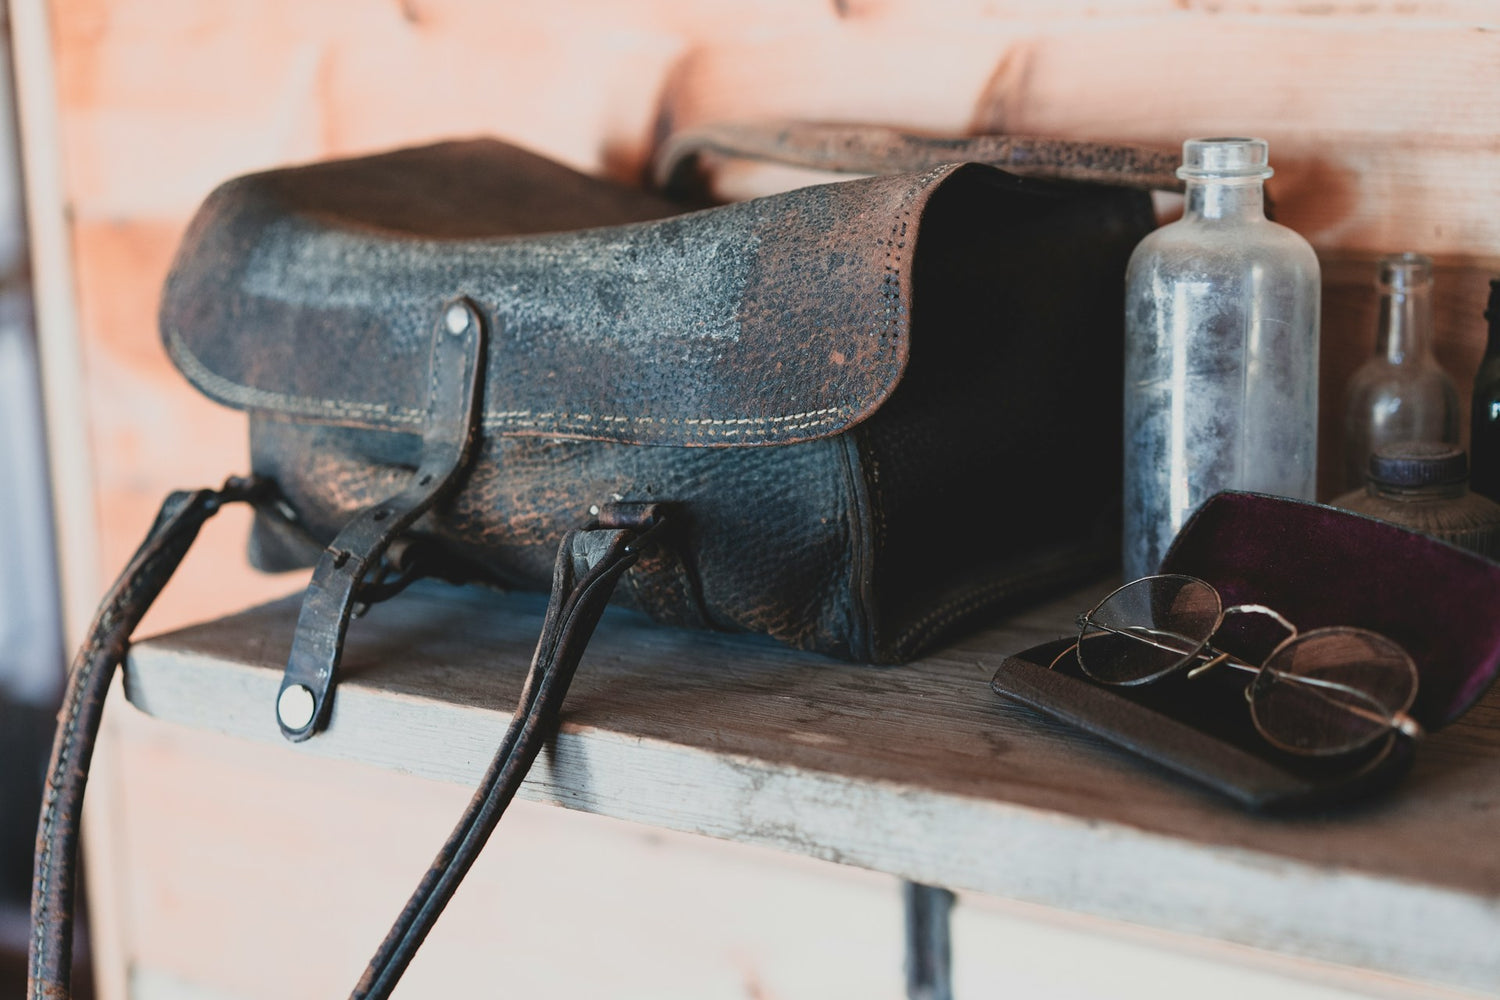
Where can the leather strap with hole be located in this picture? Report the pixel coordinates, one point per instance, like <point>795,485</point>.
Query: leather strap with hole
<point>454,403</point>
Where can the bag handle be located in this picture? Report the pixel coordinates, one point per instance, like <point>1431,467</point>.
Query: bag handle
<point>55,875</point>
<point>590,561</point>
<point>876,149</point>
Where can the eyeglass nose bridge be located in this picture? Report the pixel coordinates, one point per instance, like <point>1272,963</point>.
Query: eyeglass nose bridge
<point>1261,609</point>
<point>1214,661</point>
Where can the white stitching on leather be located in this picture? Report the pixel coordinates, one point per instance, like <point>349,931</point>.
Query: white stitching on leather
<point>101,625</point>
<point>254,398</point>
<point>244,395</point>
<point>49,809</point>
<point>251,397</point>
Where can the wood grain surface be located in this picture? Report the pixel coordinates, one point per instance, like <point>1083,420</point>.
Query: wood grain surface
<point>918,771</point>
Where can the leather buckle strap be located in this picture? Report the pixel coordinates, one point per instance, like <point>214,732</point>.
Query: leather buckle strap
<point>454,409</point>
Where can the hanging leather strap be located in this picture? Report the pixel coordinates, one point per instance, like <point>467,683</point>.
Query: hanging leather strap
<point>55,875</point>
<point>590,562</point>
<point>876,149</point>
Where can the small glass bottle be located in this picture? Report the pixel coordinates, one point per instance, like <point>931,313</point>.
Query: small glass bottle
<point>1484,431</point>
<point>1400,394</point>
<point>1221,352</point>
<point>1424,486</point>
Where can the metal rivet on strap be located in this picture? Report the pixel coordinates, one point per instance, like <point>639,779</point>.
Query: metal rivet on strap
<point>295,707</point>
<point>457,318</point>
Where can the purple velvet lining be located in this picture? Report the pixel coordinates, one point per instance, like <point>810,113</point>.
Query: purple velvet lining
<point>1322,566</point>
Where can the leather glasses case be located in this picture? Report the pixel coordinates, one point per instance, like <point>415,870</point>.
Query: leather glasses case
<point>1319,567</point>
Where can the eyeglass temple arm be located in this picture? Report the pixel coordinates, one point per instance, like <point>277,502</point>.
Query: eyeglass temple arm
<point>1140,634</point>
<point>1396,720</point>
<point>1214,657</point>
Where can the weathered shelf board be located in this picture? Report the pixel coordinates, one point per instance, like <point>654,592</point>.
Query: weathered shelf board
<point>918,771</point>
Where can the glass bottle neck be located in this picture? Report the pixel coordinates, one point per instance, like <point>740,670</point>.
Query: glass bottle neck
<point>1236,199</point>
<point>1405,332</point>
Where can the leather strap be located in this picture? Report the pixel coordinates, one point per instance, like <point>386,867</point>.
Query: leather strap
<point>55,875</point>
<point>875,149</point>
<point>590,562</point>
<point>454,403</point>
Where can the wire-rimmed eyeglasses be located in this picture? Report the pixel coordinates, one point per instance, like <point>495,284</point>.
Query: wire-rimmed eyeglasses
<point>1323,692</point>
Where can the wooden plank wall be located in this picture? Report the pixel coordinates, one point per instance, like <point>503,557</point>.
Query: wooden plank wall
<point>1382,120</point>
<point>1382,117</point>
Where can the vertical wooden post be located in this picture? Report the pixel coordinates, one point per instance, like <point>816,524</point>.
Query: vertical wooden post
<point>929,953</point>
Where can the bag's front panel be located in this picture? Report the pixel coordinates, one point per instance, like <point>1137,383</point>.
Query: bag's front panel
<point>761,537</point>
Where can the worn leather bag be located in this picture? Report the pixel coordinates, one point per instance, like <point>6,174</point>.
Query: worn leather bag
<point>851,417</point>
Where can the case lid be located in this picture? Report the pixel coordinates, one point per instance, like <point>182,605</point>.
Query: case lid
<point>1321,566</point>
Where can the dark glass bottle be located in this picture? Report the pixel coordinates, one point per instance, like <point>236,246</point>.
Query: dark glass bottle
<point>1484,446</point>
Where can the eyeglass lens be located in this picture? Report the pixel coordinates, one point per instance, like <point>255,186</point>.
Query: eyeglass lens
<point>1147,629</point>
<point>1332,690</point>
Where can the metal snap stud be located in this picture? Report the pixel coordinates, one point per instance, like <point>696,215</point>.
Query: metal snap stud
<point>295,707</point>
<point>456,319</point>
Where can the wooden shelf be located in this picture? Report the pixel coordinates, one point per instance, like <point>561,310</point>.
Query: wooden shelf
<point>919,771</point>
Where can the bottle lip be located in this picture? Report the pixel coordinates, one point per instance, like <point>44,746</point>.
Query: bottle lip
<point>1225,158</point>
<point>1403,272</point>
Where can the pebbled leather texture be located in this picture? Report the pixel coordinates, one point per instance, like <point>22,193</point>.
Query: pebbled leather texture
<point>955,335</point>
<point>769,321</point>
<point>764,536</point>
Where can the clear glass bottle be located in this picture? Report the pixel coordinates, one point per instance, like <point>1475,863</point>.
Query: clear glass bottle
<point>1402,393</point>
<point>1221,352</point>
<point>1484,431</point>
<point>1424,486</point>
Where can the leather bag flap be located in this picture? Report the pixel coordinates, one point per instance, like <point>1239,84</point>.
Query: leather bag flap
<point>311,292</point>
